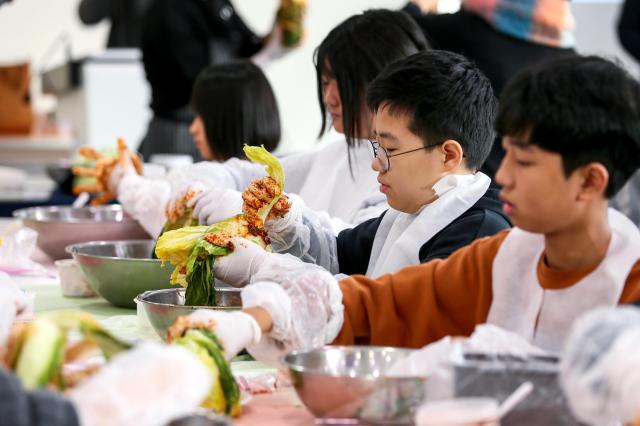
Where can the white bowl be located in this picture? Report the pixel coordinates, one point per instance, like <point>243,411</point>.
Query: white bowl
<point>72,280</point>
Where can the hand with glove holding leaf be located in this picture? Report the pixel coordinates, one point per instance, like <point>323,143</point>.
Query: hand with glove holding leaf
<point>108,172</point>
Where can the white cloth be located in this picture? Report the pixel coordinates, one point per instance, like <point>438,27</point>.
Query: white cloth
<point>544,317</point>
<point>401,235</point>
<point>147,386</point>
<point>235,330</point>
<point>213,205</point>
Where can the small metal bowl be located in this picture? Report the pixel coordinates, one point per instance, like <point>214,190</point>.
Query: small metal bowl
<point>120,270</point>
<point>162,307</point>
<point>336,382</point>
<point>60,226</point>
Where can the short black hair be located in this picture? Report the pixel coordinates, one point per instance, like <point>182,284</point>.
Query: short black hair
<point>445,96</point>
<point>237,106</point>
<point>584,108</point>
<point>355,51</point>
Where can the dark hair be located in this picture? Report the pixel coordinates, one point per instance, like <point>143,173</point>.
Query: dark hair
<point>584,108</point>
<point>237,107</point>
<point>355,52</point>
<point>444,96</point>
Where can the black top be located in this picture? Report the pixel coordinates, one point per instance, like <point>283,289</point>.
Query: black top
<point>484,218</point>
<point>180,38</point>
<point>125,15</point>
<point>27,408</point>
<point>499,56</point>
<point>629,27</point>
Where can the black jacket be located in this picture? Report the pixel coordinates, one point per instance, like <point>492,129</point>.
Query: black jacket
<point>484,218</point>
<point>20,407</point>
<point>180,38</point>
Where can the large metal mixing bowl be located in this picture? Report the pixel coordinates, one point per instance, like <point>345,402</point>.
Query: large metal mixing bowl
<point>162,307</point>
<point>121,270</point>
<point>336,382</point>
<point>60,226</point>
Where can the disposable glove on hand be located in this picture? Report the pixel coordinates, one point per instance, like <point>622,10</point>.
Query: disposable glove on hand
<point>239,266</point>
<point>12,302</point>
<point>149,385</point>
<point>235,330</point>
<point>216,204</point>
<point>260,193</point>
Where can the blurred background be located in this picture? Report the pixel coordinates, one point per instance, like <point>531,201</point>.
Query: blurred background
<point>83,93</point>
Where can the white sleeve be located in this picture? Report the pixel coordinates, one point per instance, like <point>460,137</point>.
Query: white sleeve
<point>232,174</point>
<point>296,168</point>
<point>145,200</point>
<point>304,302</point>
<point>305,234</point>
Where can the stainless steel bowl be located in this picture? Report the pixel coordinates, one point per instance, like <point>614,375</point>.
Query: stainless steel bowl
<point>60,226</point>
<point>162,307</point>
<point>121,270</point>
<point>336,382</point>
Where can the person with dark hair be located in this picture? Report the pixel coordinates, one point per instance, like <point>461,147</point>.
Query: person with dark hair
<point>571,132</point>
<point>234,105</point>
<point>225,99</point>
<point>434,117</point>
<point>179,39</point>
<point>335,180</point>
<point>501,37</point>
<point>629,28</point>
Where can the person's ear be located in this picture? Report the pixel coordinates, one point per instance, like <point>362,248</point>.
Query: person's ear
<point>453,154</point>
<point>594,179</point>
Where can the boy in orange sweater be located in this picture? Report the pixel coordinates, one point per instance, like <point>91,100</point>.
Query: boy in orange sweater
<point>571,132</point>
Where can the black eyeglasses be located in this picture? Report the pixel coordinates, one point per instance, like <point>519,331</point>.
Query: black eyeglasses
<point>383,156</point>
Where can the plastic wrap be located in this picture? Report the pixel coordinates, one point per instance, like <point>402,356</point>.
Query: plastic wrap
<point>491,363</point>
<point>17,245</point>
<point>149,385</point>
<point>601,366</point>
<point>305,234</point>
<point>304,302</point>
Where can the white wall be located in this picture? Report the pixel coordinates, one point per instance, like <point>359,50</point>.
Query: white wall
<point>28,29</point>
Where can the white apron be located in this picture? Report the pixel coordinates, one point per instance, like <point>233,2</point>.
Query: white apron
<point>400,235</point>
<point>519,302</point>
<point>330,187</point>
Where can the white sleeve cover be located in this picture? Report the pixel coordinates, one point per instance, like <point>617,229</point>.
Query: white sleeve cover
<point>599,371</point>
<point>147,386</point>
<point>304,302</point>
<point>305,234</point>
<point>145,200</point>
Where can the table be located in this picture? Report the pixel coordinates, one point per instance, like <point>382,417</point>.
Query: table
<point>279,408</point>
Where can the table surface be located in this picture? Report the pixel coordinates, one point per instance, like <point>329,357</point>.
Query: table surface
<point>279,408</point>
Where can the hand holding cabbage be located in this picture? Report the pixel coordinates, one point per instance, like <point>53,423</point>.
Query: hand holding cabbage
<point>194,249</point>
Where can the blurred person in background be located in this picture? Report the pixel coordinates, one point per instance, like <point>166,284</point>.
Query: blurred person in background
<point>501,37</point>
<point>125,16</point>
<point>179,39</point>
<point>234,105</point>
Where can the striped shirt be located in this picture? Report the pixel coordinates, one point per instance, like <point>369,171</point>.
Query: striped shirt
<point>547,22</point>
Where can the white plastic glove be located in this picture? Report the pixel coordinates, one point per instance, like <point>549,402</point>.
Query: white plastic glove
<point>147,386</point>
<point>216,204</point>
<point>235,330</point>
<point>12,302</point>
<point>239,266</point>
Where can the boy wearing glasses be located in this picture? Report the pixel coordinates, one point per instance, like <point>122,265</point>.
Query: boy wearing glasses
<point>434,116</point>
<point>571,132</point>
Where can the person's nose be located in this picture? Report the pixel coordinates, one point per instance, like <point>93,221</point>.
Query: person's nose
<point>503,175</point>
<point>376,165</point>
<point>331,94</point>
